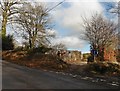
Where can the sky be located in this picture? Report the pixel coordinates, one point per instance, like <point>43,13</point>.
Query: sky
<point>67,20</point>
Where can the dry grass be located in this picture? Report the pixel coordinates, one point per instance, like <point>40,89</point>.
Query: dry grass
<point>39,60</point>
<point>52,62</point>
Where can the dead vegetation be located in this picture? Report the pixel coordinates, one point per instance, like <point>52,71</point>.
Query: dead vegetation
<point>54,63</point>
<point>36,60</point>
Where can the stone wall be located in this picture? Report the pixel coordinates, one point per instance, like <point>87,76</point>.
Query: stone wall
<point>72,57</point>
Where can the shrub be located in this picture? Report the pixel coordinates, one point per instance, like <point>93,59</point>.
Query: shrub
<point>113,67</point>
<point>90,59</point>
<point>104,67</point>
<point>19,48</point>
<point>38,50</point>
<point>7,43</point>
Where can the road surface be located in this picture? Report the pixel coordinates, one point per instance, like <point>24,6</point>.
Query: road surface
<point>19,77</point>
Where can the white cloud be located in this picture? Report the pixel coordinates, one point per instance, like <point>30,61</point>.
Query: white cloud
<point>76,0</point>
<point>51,32</point>
<point>70,42</point>
<point>71,17</point>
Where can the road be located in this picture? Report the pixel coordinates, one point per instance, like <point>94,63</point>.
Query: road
<point>19,77</point>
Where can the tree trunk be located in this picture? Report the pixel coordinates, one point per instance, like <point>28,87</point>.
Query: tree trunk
<point>101,54</point>
<point>4,24</point>
<point>30,43</point>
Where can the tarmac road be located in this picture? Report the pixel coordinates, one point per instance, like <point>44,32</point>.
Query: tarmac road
<point>20,77</point>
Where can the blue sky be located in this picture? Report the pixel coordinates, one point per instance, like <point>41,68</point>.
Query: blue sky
<point>68,22</point>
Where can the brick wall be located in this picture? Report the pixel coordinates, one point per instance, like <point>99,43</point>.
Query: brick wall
<point>110,54</point>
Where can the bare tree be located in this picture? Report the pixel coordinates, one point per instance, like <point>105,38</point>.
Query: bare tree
<point>33,19</point>
<point>116,10</point>
<point>59,46</point>
<point>8,9</point>
<point>100,32</point>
